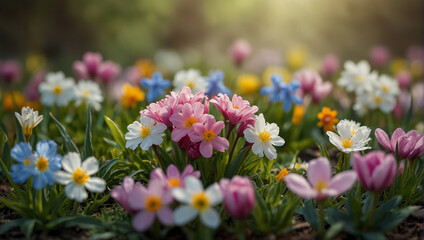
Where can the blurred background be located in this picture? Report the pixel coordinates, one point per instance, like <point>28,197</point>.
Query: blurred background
<point>200,30</point>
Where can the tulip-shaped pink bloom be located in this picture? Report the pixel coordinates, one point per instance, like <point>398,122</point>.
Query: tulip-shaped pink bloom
<point>239,51</point>
<point>108,71</point>
<point>321,90</point>
<point>311,83</point>
<point>321,185</point>
<point>184,120</point>
<point>88,68</point>
<point>151,203</point>
<point>410,145</point>
<point>173,178</point>
<point>330,65</point>
<point>404,79</point>
<point>376,170</point>
<point>239,196</point>
<point>120,193</point>
<point>235,110</point>
<point>380,56</point>
<point>207,135</point>
<point>10,71</point>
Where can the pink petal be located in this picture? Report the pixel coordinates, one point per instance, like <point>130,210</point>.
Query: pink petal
<point>198,110</point>
<point>395,136</point>
<point>210,121</point>
<point>206,149</point>
<point>137,197</point>
<point>178,133</point>
<point>383,139</point>
<point>172,172</point>
<point>186,110</point>
<point>167,197</point>
<point>298,185</point>
<point>158,173</point>
<point>196,132</point>
<point>361,168</point>
<point>319,170</point>
<point>221,144</point>
<point>383,175</point>
<point>405,146</point>
<point>188,170</point>
<point>217,127</point>
<point>156,187</point>
<point>343,181</point>
<point>418,149</point>
<point>166,216</point>
<point>143,220</point>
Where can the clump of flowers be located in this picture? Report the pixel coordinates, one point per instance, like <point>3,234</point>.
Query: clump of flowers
<point>57,90</point>
<point>131,95</point>
<point>155,86</point>
<point>93,67</point>
<point>312,84</point>
<point>410,145</point>
<point>352,137</point>
<point>281,91</point>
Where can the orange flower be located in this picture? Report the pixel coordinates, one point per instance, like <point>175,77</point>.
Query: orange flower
<point>327,119</point>
<point>131,96</point>
<point>282,174</point>
<point>145,68</point>
<point>13,99</point>
<point>298,113</point>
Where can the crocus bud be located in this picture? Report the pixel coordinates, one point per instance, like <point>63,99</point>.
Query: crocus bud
<point>108,71</point>
<point>120,193</point>
<point>244,125</point>
<point>184,142</point>
<point>321,91</point>
<point>194,151</point>
<point>239,196</point>
<point>10,71</point>
<point>380,56</point>
<point>307,79</point>
<point>375,170</point>
<point>330,65</point>
<point>404,79</point>
<point>80,70</point>
<point>239,51</point>
<point>92,62</point>
<point>31,90</point>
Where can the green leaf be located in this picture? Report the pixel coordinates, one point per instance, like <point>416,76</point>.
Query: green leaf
<point>88,146</point>
<point>105,169</point>
<point>387,207</point>
<point>309,212</point>
<point>4,228</point>
<point>116,132</point>
<point>373,236</point>
<point>103,235</point>
<point>21,137</point>
<point>407,118</point>
<point>164,158</point>
<point>396,218</point>
<point>236,163</point>
<point>6,148</point>
<point>27,227</point>
<point>84,222</point>
<point>69,144</point>
<point>334,230</point>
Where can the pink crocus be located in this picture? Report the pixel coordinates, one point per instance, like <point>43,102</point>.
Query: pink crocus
<point>108,71</point>
<point>88,68</point>
<point>404,79</point>
<point>321,185</point>
<point>10,71</point>
<point>375,170</point>
<point>184,120</point>
<point>121,193</point>
<point>235,110</point>
<point>207,135</point>
<point>239,51</point>
<point>311,83</point>
<point>410,145</point>
<point>173,178</point>
<point>330,65</point>
<point>151,202</point>
<point>380,56</point>
<point>239,196</point>
<point>31,90</point>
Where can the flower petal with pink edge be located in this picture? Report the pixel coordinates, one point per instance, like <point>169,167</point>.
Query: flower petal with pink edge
<point>206,149</point>
<point>143,220</point>
<point>172,172</point>
<point>166,216</point>
<point>196,132</point>
<point>362,169</point>
<point>384,174</point>
<point>298,185</point>
<point>395,136</point>
<point>178,133</point>
<point>158,173</point>
<point>221,144</point>
<point>156,187</point>
<point>137,196</point>
<point>217,127</point>
<point>343,181</point>
<point>319,170</point>
<point>383,139</point>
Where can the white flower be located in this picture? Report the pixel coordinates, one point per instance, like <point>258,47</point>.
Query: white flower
<point>191,78</point>
<point>352,137</point>
<point>88,92</point>
<point>144,133</point>
<point>299,166</point>
<point>361,106</point>
<point>357,77</point>
<point>197,202</point>
<point>168,61</point>
<point>387,85</point>
<point>263,136</point>
<point>56,89</point>
<point>77,177</point>
<point>28,120</point>
<point>378,100</point>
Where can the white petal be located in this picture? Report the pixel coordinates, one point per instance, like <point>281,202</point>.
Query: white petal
<point>95,184</point>
<point>62,177</point>
<point>192,184</point>
<point>210,218</point>
<point>71,162</point>
<point>75,191</point>
<point>181,195</point>
<point>91,165</point>
<point>213,192</point>
<point>184,214</point>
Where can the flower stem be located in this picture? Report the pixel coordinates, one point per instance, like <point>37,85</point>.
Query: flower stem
<point>340,162</point>
<point>240,229</point>
<point>75,207</point>
<point>374,202</point>
<point>39,194</point>
<point>321,226</point>
<point>230,129</point>
<point>232,150</point>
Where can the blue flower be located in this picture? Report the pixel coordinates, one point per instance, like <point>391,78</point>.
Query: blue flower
<point>280,91</point>
<point>216,84</point>
<point>47,162</point>
<point>25,168</point>
<point>156,85</point>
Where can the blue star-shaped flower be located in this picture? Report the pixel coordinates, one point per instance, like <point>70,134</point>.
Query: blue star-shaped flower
<point>156,85</point>
<point>216,84</point>
<point>280,91</point>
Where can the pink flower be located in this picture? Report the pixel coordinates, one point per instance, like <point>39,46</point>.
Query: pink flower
<point>10,71</point>
<point>121,193</point>
<point>410,145</point>
<point>235,110</point>
<point>173,178</point>
<point>31,90</point>
<point>182,121</point>
<point>151,203</point>
<point>193,151</point>
<point>239,196</point>
<point>330,65</point>
<point>245,125</point>
<point>184,142</point>
<point>321,90</point>
<point>88,68</point>
<point>380,56</point>
<point>376,170</point>
<point>207,135</point>
<point>404,79</point>
<point>108,71</point>
<point>312,83</point>
<point>321,185</point>
<point>239,51</point>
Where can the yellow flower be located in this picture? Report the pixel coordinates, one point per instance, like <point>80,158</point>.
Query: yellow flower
<point>296,57</point>
<point>298,113</point>
<point>145,67</point>
<point>274,70</point>
<point>397,65</point>
<point>12,99</point>
<point>131,96</point>
<point>248,84</point>
<point>282,174</point>
<point>327,119</point>
<point>417,68</point>
<point>35,62</point>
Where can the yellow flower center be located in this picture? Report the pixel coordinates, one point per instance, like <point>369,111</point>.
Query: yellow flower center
<point>235,106</point>
<point>320,185</point>
<point>189,122</point>
<point>57,89</point>
<point>209,135</point>
<point>359,79</point>
<point>347,143</point>
<point>144,131</point>
<point>153,203</point>
<point>265,136</point>
<point>282,174</point>
<point>297,166</point>
<point>42,164</point>
<point>378,99</point>
<point>26,162</point>
<point>86,93</point>
<point>174,182</point>
<point>385,88</point>
<point>200,201</point>
<point>353,132</point>
<point>80,176</point>
<point>190,84</point>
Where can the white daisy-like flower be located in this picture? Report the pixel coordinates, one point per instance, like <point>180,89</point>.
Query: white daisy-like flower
<point>56,89</point>
<point>28,120</point>
<point>191,78</point>
<point>144,133</point>
<point>77,176</point>
<point>197,202</point>
<point>352,136</point>
<point>387,85</point>
<point>357,77</point>
<point>378,100</point>
<point>264,137</point>
<point>299,166</point>
<point>89,92</point>
<point>361,105</point>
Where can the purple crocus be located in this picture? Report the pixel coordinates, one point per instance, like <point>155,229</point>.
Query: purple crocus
<point>239,196</point>
<point>311,83</point>
<point>121,193</point>
<point>410,145</point>
<point>380,56</point>
<point>108,71</point>
<point>330,65</point>
<point>321,185</point>
<point>10,71</point>
<point>173,178</point>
